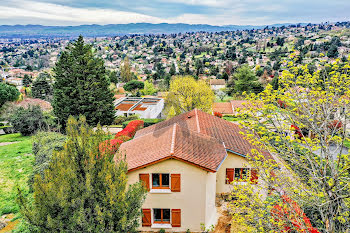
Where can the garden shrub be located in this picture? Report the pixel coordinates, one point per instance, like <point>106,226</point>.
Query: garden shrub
<point>28,121</point>
<point>44,144</point>
<point>131,128</point>
<point>147,122</point>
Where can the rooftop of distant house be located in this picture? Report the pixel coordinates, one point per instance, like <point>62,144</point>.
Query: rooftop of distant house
<point>135,103</point>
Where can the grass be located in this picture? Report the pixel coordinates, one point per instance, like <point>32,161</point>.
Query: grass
<point>15,167</point>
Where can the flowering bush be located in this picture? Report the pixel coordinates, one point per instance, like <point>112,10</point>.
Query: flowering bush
<point>111,145</point>
<point>217,114</point>
<point>292,213</point>
<point>335,124</point>
<point>123,138</point>
<point>130,129</point>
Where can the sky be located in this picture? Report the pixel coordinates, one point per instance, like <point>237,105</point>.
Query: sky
<point>213,12</point>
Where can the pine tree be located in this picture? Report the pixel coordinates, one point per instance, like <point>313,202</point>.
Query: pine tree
<point>81,86</point>
<point>27,80</point>
<point>42,88</point>
<point>83,189</point>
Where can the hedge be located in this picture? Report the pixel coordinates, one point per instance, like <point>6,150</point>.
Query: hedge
<point>147,122</point>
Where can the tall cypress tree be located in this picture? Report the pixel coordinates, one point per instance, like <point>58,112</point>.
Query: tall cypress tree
<point>81,86</point>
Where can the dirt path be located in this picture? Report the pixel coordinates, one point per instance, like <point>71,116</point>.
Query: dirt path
<point>6,143</point>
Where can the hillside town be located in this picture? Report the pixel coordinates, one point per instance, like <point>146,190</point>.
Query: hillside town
<point>211,132</point>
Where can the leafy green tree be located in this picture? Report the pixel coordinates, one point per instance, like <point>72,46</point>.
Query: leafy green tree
<point>83,190</point>
<point>333,51</point>
<point>133,86</point>
<point>186,94</point>
<point>246,81</point>
<point>275,83</point>
<point>29,120</point>
<point>8,93</point>
<point>149,88</point>
<point>27,80</point>
<point>42,88</point>
<point>82,86</point>
<point>125,71</point>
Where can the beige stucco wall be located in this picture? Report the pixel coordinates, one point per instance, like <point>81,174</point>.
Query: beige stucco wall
<point>196,199</point>
<point>231,161</point>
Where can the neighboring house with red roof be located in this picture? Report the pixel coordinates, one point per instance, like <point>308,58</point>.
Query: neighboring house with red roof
<point>217,84</point>
<point>184,163</point>
<point>229,108</point>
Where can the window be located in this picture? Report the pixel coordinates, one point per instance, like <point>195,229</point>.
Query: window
<point>161,216</point>
<point>160,181</point>
<point>237,174</point>
<point>241,174</point>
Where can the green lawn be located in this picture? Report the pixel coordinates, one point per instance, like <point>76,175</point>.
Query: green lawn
<point>15,167</point>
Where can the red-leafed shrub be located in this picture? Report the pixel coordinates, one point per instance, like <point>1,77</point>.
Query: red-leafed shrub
<point>281,103</point>
<point>123,138</point>
<point>297,130</point>
<point>335,124</point>
<point>218,114</point>
<point>290,213</point>
<point>130,129</point>
<point>111,145</point>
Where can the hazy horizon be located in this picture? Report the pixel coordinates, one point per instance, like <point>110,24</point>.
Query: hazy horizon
<point>211,12</point>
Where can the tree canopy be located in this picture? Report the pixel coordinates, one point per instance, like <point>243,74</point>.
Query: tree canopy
<point>303,123</point>
<point>81,86</point>
<point>8,93</point>
<point>83,189</point>
<point>186,94</point>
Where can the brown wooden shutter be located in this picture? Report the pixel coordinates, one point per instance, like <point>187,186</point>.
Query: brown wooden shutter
<point>229,175</point>
<point>175,182</point>
<point>146,218</point>
<point>176,218</point>
<point>254,175</point>
<point>144,178</point>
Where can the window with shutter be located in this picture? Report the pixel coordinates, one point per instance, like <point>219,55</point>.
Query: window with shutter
<point>176,217</point>
<point>254,176</point>
<point>146,218</point>
<point>175,182</point>
<point>144,178</point>
<point>229,175</point>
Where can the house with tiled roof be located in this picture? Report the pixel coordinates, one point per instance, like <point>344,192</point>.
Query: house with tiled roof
<point>229,108</point>
<point>185,162</point>
<point>217,84</point>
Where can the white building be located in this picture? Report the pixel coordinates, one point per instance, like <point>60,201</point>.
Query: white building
<point>144,107</point>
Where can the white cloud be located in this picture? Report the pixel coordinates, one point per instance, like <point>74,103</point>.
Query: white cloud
<point>60,14</point>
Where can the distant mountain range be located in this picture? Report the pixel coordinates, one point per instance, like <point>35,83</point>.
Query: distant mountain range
<point>37,31</point>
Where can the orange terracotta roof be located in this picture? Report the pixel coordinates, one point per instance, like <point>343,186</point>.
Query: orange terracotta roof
<point>209,125</point>
<point>223,108</point>
<point>124,107</point>
<point>238,103</point>
<point>217,82</point>
<point>174,142</point>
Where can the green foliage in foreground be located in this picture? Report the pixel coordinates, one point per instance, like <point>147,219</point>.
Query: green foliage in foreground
<point>83,190</point>
<point>44,144</point>
<point>15,167</point>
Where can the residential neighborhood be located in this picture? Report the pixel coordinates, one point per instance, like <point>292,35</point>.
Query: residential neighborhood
<point>197,129</point>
